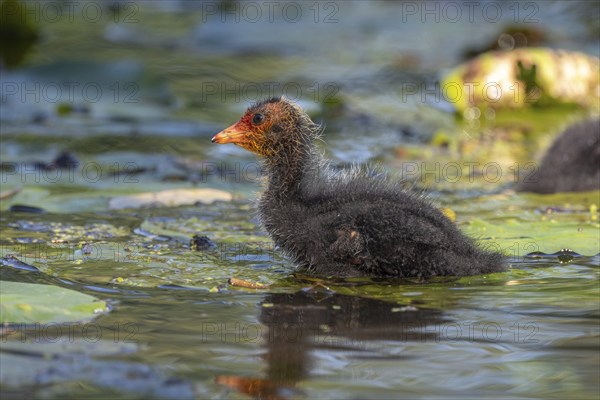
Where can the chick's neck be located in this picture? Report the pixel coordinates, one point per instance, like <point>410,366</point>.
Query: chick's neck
<point>290,168</point>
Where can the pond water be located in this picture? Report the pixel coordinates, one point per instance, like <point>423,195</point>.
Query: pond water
<point>160,79</point>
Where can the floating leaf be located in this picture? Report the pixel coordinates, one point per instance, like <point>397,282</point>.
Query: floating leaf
<point>33,303</point>
<point>535,223</point>
<point>169,198</point>
<point>524,77</point>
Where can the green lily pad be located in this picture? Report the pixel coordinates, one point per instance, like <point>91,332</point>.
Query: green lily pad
<point>532,223</point>
<point>516,238</point>
<point>33,303</point>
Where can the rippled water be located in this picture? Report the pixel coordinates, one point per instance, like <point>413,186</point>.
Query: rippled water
<point>529,332</point>
<point>176,328</point>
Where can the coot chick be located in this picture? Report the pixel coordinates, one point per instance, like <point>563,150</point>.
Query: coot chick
<point>571,164</point>
<point>346,224</point>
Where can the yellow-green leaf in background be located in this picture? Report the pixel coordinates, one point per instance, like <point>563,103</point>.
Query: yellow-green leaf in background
<point>524,77</point>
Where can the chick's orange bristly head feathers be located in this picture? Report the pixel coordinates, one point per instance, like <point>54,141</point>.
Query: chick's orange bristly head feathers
<point>267,127</point>
<point>251,131</point>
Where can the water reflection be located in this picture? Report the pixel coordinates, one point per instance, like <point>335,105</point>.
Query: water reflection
<point>300,323</point>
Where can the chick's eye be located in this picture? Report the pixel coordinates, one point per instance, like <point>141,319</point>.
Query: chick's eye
<point>258,119</point>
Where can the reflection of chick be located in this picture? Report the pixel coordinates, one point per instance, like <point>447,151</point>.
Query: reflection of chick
<point>346,225</point>
<point>571,164</point>
<point>303,324</point>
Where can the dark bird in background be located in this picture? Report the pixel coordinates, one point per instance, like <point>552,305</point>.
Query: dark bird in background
<point>346,224</point>
<point>571,164</point>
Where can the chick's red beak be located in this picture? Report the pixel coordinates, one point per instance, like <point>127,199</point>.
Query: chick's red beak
<point>234,134</point>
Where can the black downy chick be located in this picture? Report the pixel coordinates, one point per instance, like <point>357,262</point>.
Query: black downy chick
<point>350,224</point>
<point>571,164</point>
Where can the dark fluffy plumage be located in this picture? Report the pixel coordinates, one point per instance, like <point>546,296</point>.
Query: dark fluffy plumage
<point>571,164</point>
<point>355,226</point>
<point>347,224</point>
